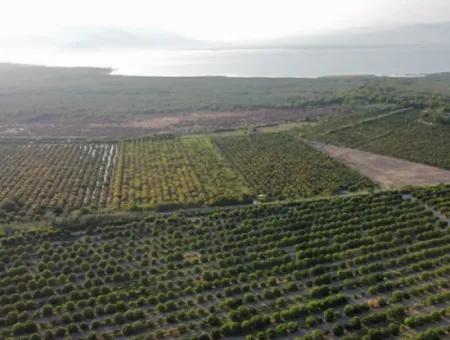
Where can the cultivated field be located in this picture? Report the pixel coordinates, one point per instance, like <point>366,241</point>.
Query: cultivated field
<point>280,165</point>
<point>96,242</point>
<point>175,172</point>
<point>437,197</point>
<point>58,177</point>
<point>403,134</point>
<point>55,178</point>
<point>389,172</point>
<point>365,267</point>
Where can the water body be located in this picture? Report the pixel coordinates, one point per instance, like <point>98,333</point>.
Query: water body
<point>311,62</point>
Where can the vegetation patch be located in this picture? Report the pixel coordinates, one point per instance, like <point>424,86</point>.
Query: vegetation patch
<point>168,173</point>
<point>437,197</point>
<point>404,134</point>
<point>280,165</point>
<point>369,266</point>
<point>37,178</point>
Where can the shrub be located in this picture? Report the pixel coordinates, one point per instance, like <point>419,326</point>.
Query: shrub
<point>311,321</point>
<point>338,330</point>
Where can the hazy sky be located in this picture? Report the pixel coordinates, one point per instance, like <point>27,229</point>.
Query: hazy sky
<point>225,20</point>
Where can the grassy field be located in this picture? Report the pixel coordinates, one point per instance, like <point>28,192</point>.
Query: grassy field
<point>367,267</point>
<point>281,166</point>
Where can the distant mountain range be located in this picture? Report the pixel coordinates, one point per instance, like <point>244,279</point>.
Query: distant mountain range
<point>140,39</point>
<point>106,38</point>
<point>418,35</point>
<point>425,35</point>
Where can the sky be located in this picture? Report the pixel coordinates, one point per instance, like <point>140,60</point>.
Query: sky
<point>215,20</point>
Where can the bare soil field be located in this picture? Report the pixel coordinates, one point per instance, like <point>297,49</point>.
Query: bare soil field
<point>389,172</point>
<point>180,122</point>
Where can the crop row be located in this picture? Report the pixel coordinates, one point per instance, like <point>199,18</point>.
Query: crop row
<point>343,267</point>
<point>403,135</point>
<point>438,198</point>
<point>56,178</point>
<point>188,171</point>
<point>281,166</point>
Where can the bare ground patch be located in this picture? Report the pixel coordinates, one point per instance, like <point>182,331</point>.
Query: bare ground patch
<point>389,172</point>
<point>179,122</point>
<point>208,120</point>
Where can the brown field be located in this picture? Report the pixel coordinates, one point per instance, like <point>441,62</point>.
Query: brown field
<point>142,124</point>
<point>389,172</point>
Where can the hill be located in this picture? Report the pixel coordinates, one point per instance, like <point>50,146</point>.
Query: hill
<point>417,35</point>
